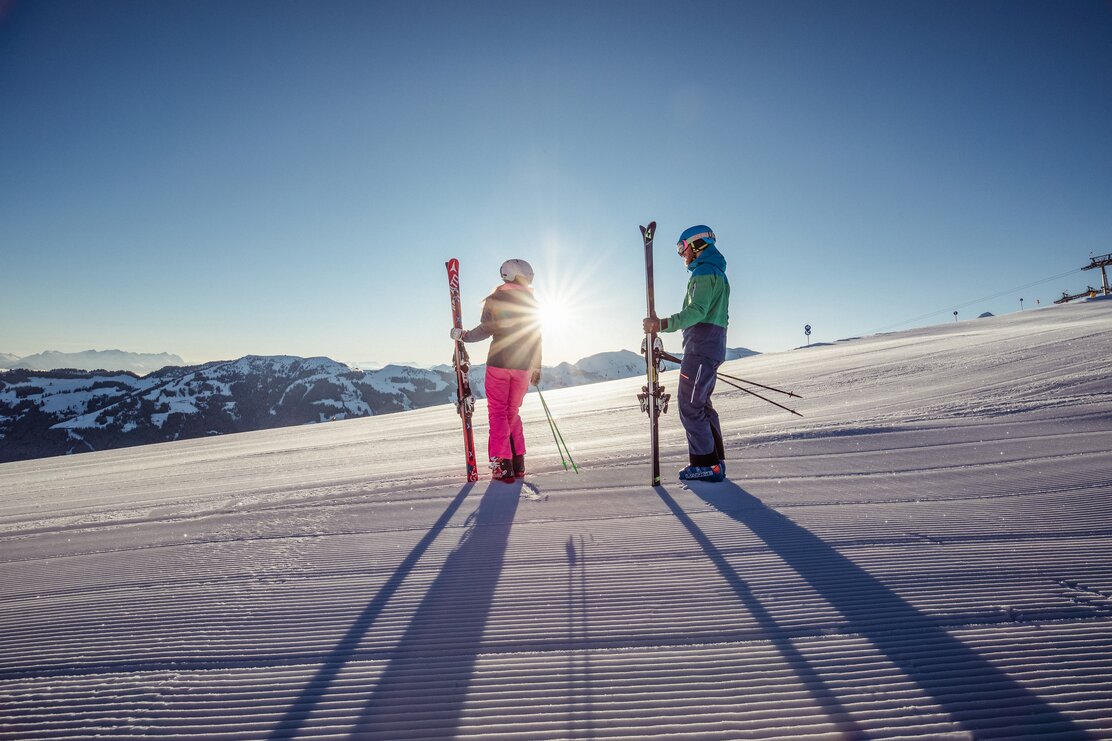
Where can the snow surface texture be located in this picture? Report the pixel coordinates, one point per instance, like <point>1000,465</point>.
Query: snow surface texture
<point>928,553</point>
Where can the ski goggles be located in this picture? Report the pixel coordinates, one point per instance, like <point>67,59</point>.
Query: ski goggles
<point>683,244</point>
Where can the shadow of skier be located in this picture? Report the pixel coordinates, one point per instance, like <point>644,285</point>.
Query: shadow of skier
<point>294,720</point>
<point>814,683</point>
<point>975,694</point>
<point>424,687</point>
<point>581,722</point>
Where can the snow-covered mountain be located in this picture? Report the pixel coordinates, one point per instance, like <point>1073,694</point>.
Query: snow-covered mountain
<point>110,360</point>
<point>609,366</point>
<point>56,412</point>
<point>606,366</point>
<point>737,353</point>
<point>926,554</point>
<point>7,360</point>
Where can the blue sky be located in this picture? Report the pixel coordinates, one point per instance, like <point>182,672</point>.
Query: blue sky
<point>216,179</point>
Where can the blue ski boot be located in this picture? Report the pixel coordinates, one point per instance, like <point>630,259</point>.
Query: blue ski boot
<point>711,474</point>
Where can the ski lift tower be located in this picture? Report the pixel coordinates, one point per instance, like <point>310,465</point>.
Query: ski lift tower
<point>1101,262</point>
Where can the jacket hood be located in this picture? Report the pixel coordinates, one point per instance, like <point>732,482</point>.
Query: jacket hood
<point>710,260</point>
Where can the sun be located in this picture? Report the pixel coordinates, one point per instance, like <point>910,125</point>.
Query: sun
<point>553,315</point>
<point>568,306</point>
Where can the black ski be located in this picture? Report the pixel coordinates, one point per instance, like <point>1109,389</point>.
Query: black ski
<point>465,402</point>
<point>652,397</point>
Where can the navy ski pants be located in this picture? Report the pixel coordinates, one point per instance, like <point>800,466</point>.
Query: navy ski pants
<point>700,420</point>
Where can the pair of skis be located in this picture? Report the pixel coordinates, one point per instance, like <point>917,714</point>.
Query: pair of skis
<point>465,400</point>
<point>652,397</point>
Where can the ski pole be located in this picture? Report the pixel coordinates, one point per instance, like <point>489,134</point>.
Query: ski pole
<point>552,426</point>
<point>754,393</point>
<point>759,385</point>
<point>556,434</point>
<point>673,359</point>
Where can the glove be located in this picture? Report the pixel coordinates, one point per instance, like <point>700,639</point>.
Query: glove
<point>655,325</point>
<point>535,377</point>
<point>456,333</point>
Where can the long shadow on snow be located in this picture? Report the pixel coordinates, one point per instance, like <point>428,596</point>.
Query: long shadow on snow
<point>976,694</point>
<point>820,692</point>
<point>294,720</point>
<point>581,723</point>
<point>424,687</point>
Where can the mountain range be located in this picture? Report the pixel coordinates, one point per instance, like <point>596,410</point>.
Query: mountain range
<point>65,411</point>
<point>120,360</point>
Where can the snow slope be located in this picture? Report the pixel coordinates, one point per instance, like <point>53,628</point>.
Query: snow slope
<point>927,554</point>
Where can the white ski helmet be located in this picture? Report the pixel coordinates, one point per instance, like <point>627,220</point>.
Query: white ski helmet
<point>516,268</point>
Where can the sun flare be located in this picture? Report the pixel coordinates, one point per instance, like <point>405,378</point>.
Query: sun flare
<point>568,306</point>
<point>553,315</point>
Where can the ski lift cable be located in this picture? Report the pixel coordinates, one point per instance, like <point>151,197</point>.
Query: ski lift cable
<point>974,301</point>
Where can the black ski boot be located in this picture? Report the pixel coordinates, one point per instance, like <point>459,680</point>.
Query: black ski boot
<point>519,466</point>
<point>502,469</point>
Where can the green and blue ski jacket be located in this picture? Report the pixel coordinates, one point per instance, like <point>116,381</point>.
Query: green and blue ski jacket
<point>706,307</point>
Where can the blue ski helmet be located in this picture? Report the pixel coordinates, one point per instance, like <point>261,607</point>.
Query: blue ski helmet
<point>693,234</point>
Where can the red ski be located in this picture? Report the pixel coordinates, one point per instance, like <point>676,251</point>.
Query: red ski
<point>465,402</point>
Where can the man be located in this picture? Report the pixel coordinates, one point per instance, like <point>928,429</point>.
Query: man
<point>703,319</point>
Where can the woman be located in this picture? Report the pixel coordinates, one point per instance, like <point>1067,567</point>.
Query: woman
<point>513,362</point>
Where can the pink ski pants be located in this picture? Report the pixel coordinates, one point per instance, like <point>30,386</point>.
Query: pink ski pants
<point>505,389</point>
